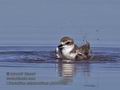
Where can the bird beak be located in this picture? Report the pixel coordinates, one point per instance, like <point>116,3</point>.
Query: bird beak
<point>60,46</point>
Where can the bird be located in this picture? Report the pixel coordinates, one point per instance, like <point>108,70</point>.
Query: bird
<point>67,49</point>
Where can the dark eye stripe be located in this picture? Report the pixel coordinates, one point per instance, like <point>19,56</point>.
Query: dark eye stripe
<point>68,43</point>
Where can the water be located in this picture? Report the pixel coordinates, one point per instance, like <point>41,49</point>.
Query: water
<point>34,67</point>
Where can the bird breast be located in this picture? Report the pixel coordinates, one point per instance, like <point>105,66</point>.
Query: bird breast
<point>68,54</point>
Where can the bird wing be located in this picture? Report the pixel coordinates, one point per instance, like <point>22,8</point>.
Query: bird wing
<point>85,49</point>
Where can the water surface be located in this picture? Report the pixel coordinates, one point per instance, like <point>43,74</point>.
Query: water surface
<point>34,67</point>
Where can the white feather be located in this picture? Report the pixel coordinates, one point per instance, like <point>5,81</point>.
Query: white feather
<point>67,51</point>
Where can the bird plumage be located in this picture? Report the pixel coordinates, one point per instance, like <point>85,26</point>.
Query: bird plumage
<point>69,50</point>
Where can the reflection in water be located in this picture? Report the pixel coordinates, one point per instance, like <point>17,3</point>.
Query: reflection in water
<point>67,70</point>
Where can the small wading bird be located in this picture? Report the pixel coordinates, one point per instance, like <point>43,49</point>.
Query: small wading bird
<point>69,50</point>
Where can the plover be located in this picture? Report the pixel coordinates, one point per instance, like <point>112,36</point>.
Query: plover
<point>69,50</point>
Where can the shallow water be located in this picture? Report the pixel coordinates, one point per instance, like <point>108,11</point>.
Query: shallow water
<point>37,68</point>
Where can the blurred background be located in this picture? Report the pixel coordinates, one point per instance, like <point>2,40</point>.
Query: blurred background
<point>44,22</point>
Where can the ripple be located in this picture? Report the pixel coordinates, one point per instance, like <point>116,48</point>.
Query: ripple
<point>33,56</point>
